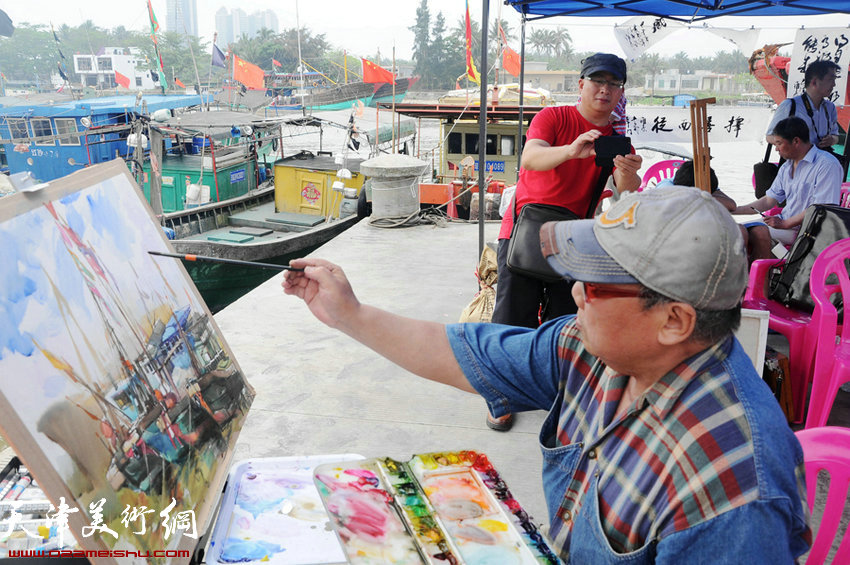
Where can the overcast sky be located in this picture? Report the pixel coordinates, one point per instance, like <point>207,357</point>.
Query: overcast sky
<point>362,27</point>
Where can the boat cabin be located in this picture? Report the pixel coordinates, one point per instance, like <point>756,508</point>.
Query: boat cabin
<point>460,131</point>
<point>462,138</point>
<point>53,139</point>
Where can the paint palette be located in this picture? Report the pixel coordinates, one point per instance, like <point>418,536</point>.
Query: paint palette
<point>271,512</point>
<point>438,508</point>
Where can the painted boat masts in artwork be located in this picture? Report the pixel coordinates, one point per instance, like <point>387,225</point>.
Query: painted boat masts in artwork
<point>150,419</point>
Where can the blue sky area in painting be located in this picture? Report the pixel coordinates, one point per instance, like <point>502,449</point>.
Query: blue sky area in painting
<point>111,219</point>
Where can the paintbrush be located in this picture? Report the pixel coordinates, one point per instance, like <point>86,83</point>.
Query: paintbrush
<point>187,257</point>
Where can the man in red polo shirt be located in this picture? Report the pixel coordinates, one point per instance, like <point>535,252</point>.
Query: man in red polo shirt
<point>558,168</point>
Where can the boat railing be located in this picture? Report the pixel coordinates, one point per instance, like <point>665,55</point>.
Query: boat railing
<point>210,216</point>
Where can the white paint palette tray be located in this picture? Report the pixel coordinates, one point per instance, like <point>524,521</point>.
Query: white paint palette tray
<point>271,513</point>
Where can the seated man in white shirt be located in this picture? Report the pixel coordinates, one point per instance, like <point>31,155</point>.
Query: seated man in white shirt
<point>808,176</point>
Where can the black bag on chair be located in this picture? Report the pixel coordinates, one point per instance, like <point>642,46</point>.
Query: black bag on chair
<point>823,225</point>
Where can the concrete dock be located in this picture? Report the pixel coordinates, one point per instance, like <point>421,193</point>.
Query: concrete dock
<point>320,392</point>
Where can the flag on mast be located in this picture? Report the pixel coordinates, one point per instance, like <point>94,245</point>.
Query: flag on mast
<point>218,57</point>
<point>511,60</point>
<point>247,73</point>
<point>375,73</point>
<point>154,28</point>
<point>276,63</point>
<point>122,80</point>
<point>471,71</point>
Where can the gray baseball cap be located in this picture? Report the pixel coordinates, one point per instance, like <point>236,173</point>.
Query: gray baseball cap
<point>675,240</point>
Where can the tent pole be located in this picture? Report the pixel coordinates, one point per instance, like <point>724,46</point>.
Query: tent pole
<point>482,126</point>
<point>521,93</point>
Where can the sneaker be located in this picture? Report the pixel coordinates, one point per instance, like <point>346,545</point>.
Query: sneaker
<point>501,424</point>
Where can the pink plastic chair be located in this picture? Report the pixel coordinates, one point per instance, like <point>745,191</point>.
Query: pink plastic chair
<point>794,325</point>
<point>659,171</point>
<point>832,361</point>
<point>827,449</point>
<point>844,200</point>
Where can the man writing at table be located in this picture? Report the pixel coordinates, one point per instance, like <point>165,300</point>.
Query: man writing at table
<point>808,176</point>
<point>662,444</point>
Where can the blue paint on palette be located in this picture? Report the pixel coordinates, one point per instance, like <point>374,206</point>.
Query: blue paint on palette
<point>242,551</point>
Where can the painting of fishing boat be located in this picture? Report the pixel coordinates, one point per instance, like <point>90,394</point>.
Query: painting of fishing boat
<point>116,386</point>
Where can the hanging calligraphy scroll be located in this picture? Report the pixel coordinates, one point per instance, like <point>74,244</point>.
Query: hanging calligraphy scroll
<point>640,33</point>
<point>673,125</point>
<point>815,44</point>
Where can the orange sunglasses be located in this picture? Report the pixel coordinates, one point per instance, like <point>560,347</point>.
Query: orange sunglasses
<point>592,291</point>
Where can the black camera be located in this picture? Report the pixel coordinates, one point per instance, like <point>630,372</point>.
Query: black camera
<point>609,146</point>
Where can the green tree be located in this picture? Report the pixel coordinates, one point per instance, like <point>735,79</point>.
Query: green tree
<point>651,65</point>
<point>421,35</point>
<point>438,55</point>
<point>562,42</point>
<point>539,41</point>
<point>30,54</point>
<point>682,62</point>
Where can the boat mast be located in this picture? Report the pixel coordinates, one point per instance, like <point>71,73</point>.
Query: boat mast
<point>497,64</point>
<point>300,64</point>
<point>394,114</point>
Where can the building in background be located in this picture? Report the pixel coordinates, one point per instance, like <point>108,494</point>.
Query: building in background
<point>99,70</point>
<point>181,16</point>
<point>673,82</point>
<point>232,25</point>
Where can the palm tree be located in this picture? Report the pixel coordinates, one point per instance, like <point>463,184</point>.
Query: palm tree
<point>652,63</point>
<point>538,41</point>
<point>562,42</point>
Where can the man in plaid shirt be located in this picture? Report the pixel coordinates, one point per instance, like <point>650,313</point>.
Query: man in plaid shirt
<point>662,445</point>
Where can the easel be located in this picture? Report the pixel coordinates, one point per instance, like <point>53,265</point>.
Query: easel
<point>699,137</point>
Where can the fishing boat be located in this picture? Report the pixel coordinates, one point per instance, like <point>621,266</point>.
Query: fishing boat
<point>504,94</point>
<point>53,138</point>
<point>387,92</point>
<point>305,205</point>
<point>337,97</point>
<point>309,198</point>
<point>459,127</point>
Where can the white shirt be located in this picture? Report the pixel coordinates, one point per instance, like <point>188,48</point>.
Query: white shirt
<point>817,180</point>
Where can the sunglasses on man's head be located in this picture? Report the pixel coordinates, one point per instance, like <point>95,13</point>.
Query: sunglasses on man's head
<point>593,291</point>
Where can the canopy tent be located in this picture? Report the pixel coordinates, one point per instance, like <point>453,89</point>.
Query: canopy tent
<point>684,10</point>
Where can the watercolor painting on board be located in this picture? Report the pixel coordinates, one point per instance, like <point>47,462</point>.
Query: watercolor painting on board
<point>116,387</point>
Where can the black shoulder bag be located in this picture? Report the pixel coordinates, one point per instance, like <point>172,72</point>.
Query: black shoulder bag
<point>764,172</point>
<point>822,225</point>
<point>524,255</point>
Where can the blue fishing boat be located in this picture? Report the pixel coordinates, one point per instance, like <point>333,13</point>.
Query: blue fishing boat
<point>54,139</point>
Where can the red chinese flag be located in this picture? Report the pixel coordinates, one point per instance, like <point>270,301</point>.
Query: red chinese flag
<point>471,71</point>
<point>179,82</point>
<point>247,73</point>
<point>122,80</point>
<point>276,63</point>
<point>375,73</point>
<point>511,60</point>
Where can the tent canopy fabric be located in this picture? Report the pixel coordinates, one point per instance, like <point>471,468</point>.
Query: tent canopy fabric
<point>685,10</point>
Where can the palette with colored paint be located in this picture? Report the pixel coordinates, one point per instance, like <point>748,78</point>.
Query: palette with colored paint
<point>437,508</point>
<point>271,513</point>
